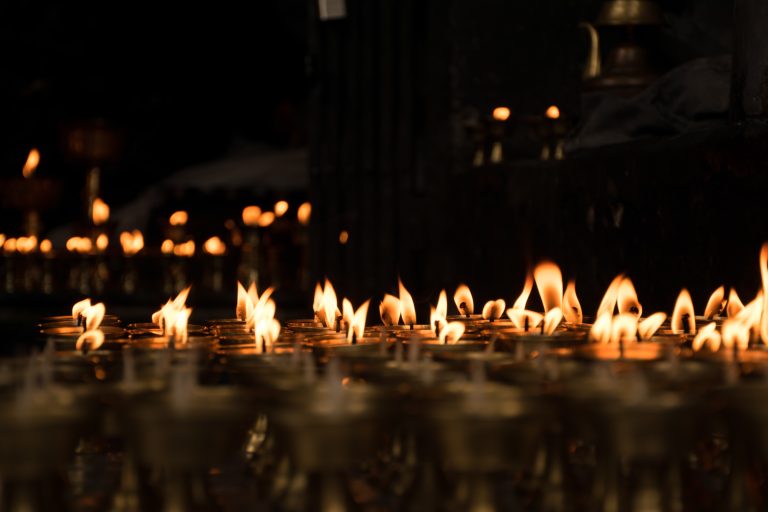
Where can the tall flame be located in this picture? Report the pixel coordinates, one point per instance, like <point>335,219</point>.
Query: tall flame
<point>648,327</point>
<point>451,332</point>
<point>627,298</point>
<point>132,242</point>
<point>407,307</point>
<point>494,309</point>
<point>734,304</point>
<point>608,304</point>
<point>389,309</point>
<point>571,305</point>
<point>463,300</point>
<point>357,323</point>
<point>261,318</point>
<point>549,281</point>
<point>317,301</point>
<point>329,308</point>
<point>522,300</point>
<point>99,211</point>
<point>438,315</point>
<point>33,160</point>
<point>244,303</point>
<point>683,307</point>
<point>715,304</point>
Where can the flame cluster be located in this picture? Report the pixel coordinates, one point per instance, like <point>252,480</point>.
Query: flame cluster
<point>173,317</point>
<point>258,313</point>
<point>90,316</point>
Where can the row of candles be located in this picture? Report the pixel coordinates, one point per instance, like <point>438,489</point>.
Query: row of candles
<point>490,408</point>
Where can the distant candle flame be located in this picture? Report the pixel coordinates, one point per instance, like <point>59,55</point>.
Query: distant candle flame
<point>451,332</point>
<point>102,242</point>
<point>304,213</point>
<point>281,207</point>
<point>571,306</point>
<point>132,242</point>
<point>626,298</point>
<point>26,244</point>
<point>463,300</point>
<point>80,245</point>
<point>552,112</point>
<point>648,327</point>
<point>214,246</point>
<point>549,282</point>
<point>9,245</point>
<point>683,307</point>
<point>552,319</point>
<point>407,307</point>
<point>501,113</point>
<point>178,218</point>
<point>389,310</point>
<point>99,212</point>
<point>251,215</point>
<point>167,246</point>
<point>356,326</point>
<point>608,303</point>
<point>343,237</point>
<point>184,249</point>
<point>494,309</point>
<point>715,304</point>
<point>33,160</point>
<point>46,246</point>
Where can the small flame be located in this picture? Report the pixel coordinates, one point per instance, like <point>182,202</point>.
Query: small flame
<point>317,300</point>
<point>2,239</point>
<point>552,112</point>
<point>167,246</point>
<point>438,315</point>
<point>683,306</point>
<point>329,309</point>
<point>715,304</point>
<point>9,245</point>
<point>266,219</point>
<point>648,327</point>
<point>552,319</point>
<point>343,237</point>
<point>357,323</point>
<point>735,332</point>
<point>442,304</point>
<point>132,242</point>
<point>494,309</point>
<point>281,207</point>
<point>178,218</point>
<point>184,249</point>
<point>251,215</point>
<point>79,307</point>
<point>214,246</point>
<point>266,332</point>
<point>407,307</point>
<point>608,304</point>
<point>522,300</point>
<point>707,335</point>
<point>46,246</point>
<point>389,309</point>
<point>94,340</point>
<point>244,305</point>
<point>522,318</point>
<point>99,212</point>
<point>601,329</point>
<point>80,245</point>
<point>734,304</point>
<point>259,308</point>
<point>304,213</point>
<point>571,305</point>
<point>173,317</point>
<point>102,242</point>
<point>26,244</point>
<point>623,328</point>
<point>451,332</point>
<point>626,298</point>
<point>463,300</point>
<point>93,314</point>
<point>501,113</point>
<point>33,160</point>
<point>549,282</point>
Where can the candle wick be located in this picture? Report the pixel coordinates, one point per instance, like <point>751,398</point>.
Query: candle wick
<point>525,323</point>
<point>411,326</point>
<point>463,306</point>
<point>338,323</point>
<point>354,337</point>
<point>437,327</point>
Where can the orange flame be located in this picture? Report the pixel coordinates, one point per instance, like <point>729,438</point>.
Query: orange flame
<point>608,304</point>
<point>438,315</point>
<point>600,332</point>
<point>9,245</point>
<point>304,213</point>
<point>99,212</point>
<point>764,278</point>
<point>178,218</point>
<point>244,303</point>
<point>357,323</point>
<point>549,282</point>
<point>389,309</point>
<point>552,319</point>
<point>623,328</point>
<point>734,304</point>
<point>463,300</point>
<point>707,335</point>
<point>33,160</point>
<point>683,306</point>
<point>494,309</point>
<point>174,316</point>
<point>501,113</point>
<point>26,244</point>
<point>522,300</point>
<point>46,246</point>
<point>648,327</point>
<point>735,332</point>
<point>407,307</point>
<point>626,298</point>
<point>266,219</point>
<point>715,304</point>
<point>214,246</point>
<point>102,242</point>
<point>281,207</point>
<point>571,305</point>
<point>451,332</point>
<point>251,215</point>
<point>132,242</point>
<point>552,112</point>
<point>317,300</point>
<point>329,309</point>
<point>522,318</point>
<point>80,245</point>
<point>79,307</point>
<point>184,249</point>
<point>93,314</point>
<point>167,246</point>
<point>259,309</point>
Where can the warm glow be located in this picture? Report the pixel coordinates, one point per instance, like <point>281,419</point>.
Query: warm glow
<point>102,242</point>
<point>715,304</point>
<point>214,246</point>
<point>99,212</point>
<point>329,309</point>
<point>735,332</point>
<point>178,218</point>
<point>451,332</point>
<point>522,300</point>
<point>173,317</point>
<point>26,244</point>
<point>132,242</point>
<point>552,319</point>
<point>389,310</point>
<point>553,112</point>
<point>167,246</point>
<point>80,245</point>
<point>608,303</point>
<point>251,215</point>
<point>623,328</point>
<point>93,315</point>
<point>9,245</point>
<point>764,278</point>
<point>437,316</point>
<point>244,303</point>
<point>317,300</point>
<point>407,307</point>
<point>549,282</point>
<point>266,329</point>
<point>259,308</point>
<point>494,309</point>
<point>463,300</point>
<point>707,335</point>
<point>266,219</point>
<point>79,307</point>
<point>356,326</point>
<point>344,237</point>
<point>281,207</point>
<point>626,299</point>
<point>90,340</point>
<point>524,319</point>
<point>46,246</point>
<point>2,239</point>
<point>501,113</point>
<point>683,307</point>
<point>734,304</point>
<point>33,160</point>
<point>304,213</point>
<point>571,306</point>
<point>600,332</point>
<point>185,249</point>
<point>648,326</point>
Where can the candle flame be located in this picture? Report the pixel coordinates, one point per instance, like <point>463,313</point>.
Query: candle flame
<point>244,303</point>
<point>389,310</point>
<point>522,300</point>
<point>214,246</point>
<point>549,282</point>
<point>494,309</point>
<point>571,306</point>
<point>261,318</point>
<point>266,219</point>
<point>356,326</point>
<point>552,112</point>
<point>626,298</point>
<point>184,249</point>
<point>33,160</point>
<point>93,314</point>
<point>329,308</point>
<point>281,207</point>
<point>735,332</point>
<point>608,303</point>
<point>707,335</point>
<point>26,244</point>
<point>102,242</point>
<point>623,328</point>
<point>463,300</point>
<point>91,340</point>
<point>552,319</point>
<point>251,215</point>
<point>79,307</point>
<point>648,327</point>
<point>600,332</point>
<point>132,242</point>
<point>304,213</point>
<point>178,218</point>
<point>501,113</point>
<point>167,246</point>
<point>173,317</point>
<point>451,332</point>
<point>683,307</point>
<point>80,245</point>
<point>734,304</point>
<point>764,279</point>
<point>99,212</point>
<point>407,307</point>
<point>715,304</point>
<point>522,317</point>
<point>438,315</point>
<point>46,246</point>
<point>9,245</point>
